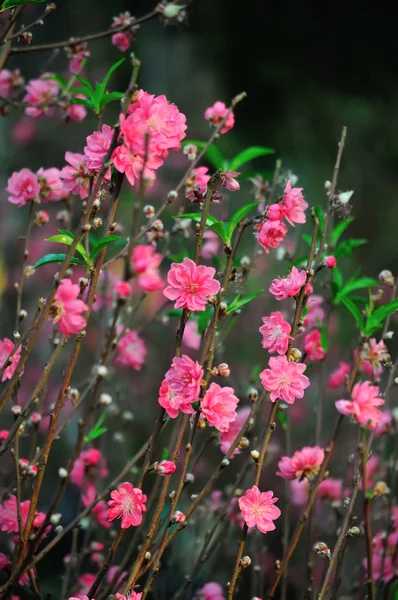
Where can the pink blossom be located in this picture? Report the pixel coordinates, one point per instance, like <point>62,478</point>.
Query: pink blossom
<point>23,186</point>
<point>330,262</point>
<point>363,408</point>
<point>331,490</point>
<point>284,379</point>
<point>289,286</point>
<point>165,467</point>
<point>86,580</point>
<point>99,510</point>
<point>212,591</point>
<point>81,597</point>
<point>132,162</point>
<point>178,517</point>
<point>229,181</point>
<point>258,509</point>
<point>23,130</point>
<point>131,596</point>
<point>9,80</point>
<point>131,350</point>
<point>198,179</point>
<point>76,176</point>
<point>145,262</point>
<point>122,40</point>
<point>218,406</point>
<point>127,502</point>
<point>337,377</point>
<point>123,289</point>
<point>51,185</point>
<point>181,386</point>
<point>4,561</point>
<point>67,308</point>
<point>9,512</point>
<point>76,55</point>
<point>98,144</point>
<point>294,204</point>
<point>303,463</point>
<point>6,347</point>
<point>270,234</point>
<point>88,460</point>
<point>40,94</point>
<point>75,112</point>
<point>385,424</point>
<point>315,314</point>
<point>276,212</point>
<point>215,114</point>
<point>211,244</point>
<point>275,331</point>
<point>191,285</point>
<point>313,346</point>
<point>228,437</point>
<point>4,434</point>
<point>373,356</point>
<point>192,338</point>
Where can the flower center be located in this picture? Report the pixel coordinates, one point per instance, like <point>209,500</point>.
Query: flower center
<point>191,287</point>
<point>56,311</point>
<point>128,505</point>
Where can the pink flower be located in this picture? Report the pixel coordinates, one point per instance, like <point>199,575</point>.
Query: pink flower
<point>228,180</point>
<point>6,347</point>
<point>40,94</point>
<point>51,185</point>
<point>9,512</point>
<point>99,510</point>
<point>181,386</point>
<point>330,262</point>
<point>275,333</point>
<point>75,112</point>
<point>373,356</point>
<point>22,187</point>
<point>294,204</point>
<point>228,437</point>
<point>123,289</point>
<point>122,41</point>
<point>315,314</point>
<point>363,408</point>
<point>76,55</point>
<point>212,591</point>
<point>131,163</point>
<point>131,350</point>
<point>88,460</point>
<point>215,114</point>
<point>81,596</point>
<point>191,285</point>
<point>258,509</point>
<point>198,179</point>
<point>76,176</point>
<point>97,147</point>
<point>127,502</point>
<point>303,463</point>
<point>313,346</point>
<point>337,377</point>
<point>67,309</point>
<point>145,262</point>
<point>331,490</point>
<point>211,244</point>
<point>131,596</point>
<point>284,379</point>
<point>178,517</point>
<point>192,338</point>
<point>218,406</point>
<point>276,212</point>
<point>4,434</point>
<point>270,235</point>
<point>288,286</point>
<point>385,423</point>
<point>9,80</point>
<point>165,467</point>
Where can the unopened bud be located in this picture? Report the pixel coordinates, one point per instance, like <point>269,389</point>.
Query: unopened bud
<point>55,518</point>
<point>172,196</point>
<point>223,370</point>
<point>322,549</point>
<point>127,416</point>
<point>62,473</point>
<point>224,463</point>
<point>330,262</point>
<point>32,470</point>
<point>245,562</point>
<point>58,529</point>
<point>245,262</point>
<point>253,394</point>
<point>396,381</point>
<point>16,410</point>
<point>22,314</point>
<point>100,370</point>
<point>386,277</point>
<point>295,355</point>
<point>148,556</point>
<point>189,478</point>
<point>17,335</point>
<point>118,437</point>
<point>178,517</point>
<point>223,308</point>
<point>97,222</point>
<point>388,335</point>
<point>255,454</point>
<point>149,211</point>
<point>190,151</point>
<point>328,185</point>
<point>243,442</point>
<point>35,418</point>
<point>96,204</point>
<point>381,488</point>
<point>353,531</point>
<point>158,225</point>
<point>171,10</point>
<point>74,394</point>
<point>105,399</point>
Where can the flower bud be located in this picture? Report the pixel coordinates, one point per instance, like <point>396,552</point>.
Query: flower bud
<point>55,518</point>
<point>253,394</point>
<point>158,225</point>
<point>100,370</point>
<point>295,355</point>
<point>353,531</point>
<point>148,556</point>
<point>149,211</point>
<point>328,185</point>
<point>381,488</point>
<point>171,10</point>
<point>386,277</point>
<point>330,262</point>
<point>62,473</point>
<point>224,463</point>
<point>35,418</point>
<point>172,196</point>
<point>127,416</point>
<point>16,410</point>
<point>23,464</point>
<point>255,454</point>
<point>189,478</point>
<point>42,217</point>
<point>223,308</point>
<point>223,370</point>
<point>97,222</point>
<point>118,437</point>
<point>105,399</point>
<point>74,395</point>
<point>308,289</point>
<point>245,262</point>
<point>190,151</point>
<point>32,471</point>
<point>245,562</point>
<point>178,517</point>
<point>322,549</point>
<point>243,442</point>
<point>165,467</point>
<point>22,314</point>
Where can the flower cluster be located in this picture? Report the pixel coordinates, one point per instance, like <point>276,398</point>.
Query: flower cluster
<point>181,386</point>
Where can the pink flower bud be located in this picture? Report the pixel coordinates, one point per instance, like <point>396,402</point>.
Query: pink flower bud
<point>308,289</point>
<point>165,467</point>
<point>178,517</point>
<point>330,262</point>
<point>35,418</point>
<point>123,289</point>
<point>16,410</point>
<point>223,370</point>
<point>23,464</point>
<point>4,434</point>
<point>228,180</point>
<point>276,212</point>
<point>32,471</point>
<point>42,217</point>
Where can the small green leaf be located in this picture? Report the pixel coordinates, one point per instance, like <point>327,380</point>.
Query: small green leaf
<point>12,3</point>
<point>282,419</point>
<point>238,302</point>
<point>107,77</point>
<point>56,258</point>
<point>340,229</point>
<point>221,229</point>
<point>354,310</point>
<point>197,217</point>
<point>321,218</point>
<point>110,97</point>
<point>346,247</point>
<point>103,243</point>
<point>239,215</point>
<point>324,339</point>
<point>249,154</point>
<point>358,284</point>
<point>62,238</point>
<point>377,318</point>
<point>97,430</point>
<point>175,312</point>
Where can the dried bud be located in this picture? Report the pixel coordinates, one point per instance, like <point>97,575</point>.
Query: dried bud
<point>105,399</point>
<point>353,531</point>
<point>255,454</point>
<point>74,394</point>
<point>41,218</point>
<point>29,272</point>
<point>223,370</point>
<point>295,355</point>
<point>322,549</point>
<point>62,473</point>
<point>172,196</point>
<point>245,562</point>
<point>386,277</point>
<point>149,211</point>
<point>25,37</point>
<point>381,488</point>
<point>83,282</point>
<point>97,222</point>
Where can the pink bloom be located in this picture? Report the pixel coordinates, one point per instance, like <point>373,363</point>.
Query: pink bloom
<point>331,490</point>
<point>375,354</point>
<point>6,347</point>
<point>9,512</point>
<point>218,406</point>
<point>129,503</point>
<point>337,377</point>
<point>9,80</point>
<point>192,339</point>
<point>284,379</point>
<point>145,262</point>
<point>165,467</point>
<point>122,41</point>
<point>385,423</point>
<point>363,408</point>
<point>288,286</point>
<point>97,147</point>
<point>76,176</point>
<point>198,179</point>
<point>215,114</point>
<point>131,350</point>
<point>87,460</point>
<point>131,596</point>
<point>76,55</point>
<point>86,580</point>
<point>330,262</point>
<point>294,204</point>
<point>67,309</point>
<point>313,346</point>
<point>315,314</point>
<point>275,333</point>
<point>131,163</point>
<point>99,510</point>
<point>299,490</point>
<point>123,289</point>
<point>303,463</point>
<point>276,212</point>
<point>229,181</point>
<point>22,187</point>
<point>270,235</point>
<point>181,386</point>
<point>75,112</point>
<point>211,244</point>
<point>51,185</point>
<point>4,561</point>
<point>212,591</point>
<point>23,130</point>
<point>258,509</point>
<point>40,94</point>
<point>228,437</point>
<point>191,285</point>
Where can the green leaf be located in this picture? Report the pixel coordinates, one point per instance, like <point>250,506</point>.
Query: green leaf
<point>110,97</point>
<point>354,310</point>
<point>175,312</point>
<point>213,154</point>
<point>337,278</point>
<point>324,339</point>
<point>321,218</point>
<point>97,430</point>
<point>282,419</point>
<point>109,239</point>
<point>358,284</point>
<point>62,238</point>
<point>83,101</point>
<point>238,302</point>
<point>249,154</point>
<point>107,77</point>
<point>197,217</point>
<point>165,454</point>
<point>12,3</point>
<point>221,229</point>
<point>239,215</point>
<point>307,238</point>
<point>267,175</point>
<point>48,259</point>
<point>377,318</point>
<point>346,247</point>
<point>203,320</point>
<point>340,229</point>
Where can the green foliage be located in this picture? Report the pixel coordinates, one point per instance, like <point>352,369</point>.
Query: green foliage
<point>345,248</point>
<point>281,415</point>
<point>109,239</point>
<point>13,3</point>
<point>239,216</point>
<point>354,310</point>
<point>66,237</point>
<point>203,320</point>
<point>376,319</point>
<point>212,154</point>
<point>97,430</point>
<point>97,98</point>
<point>218,161</point>
<point>49,259</point>
<point>249,154</point>
<point>340,229</point>
<point>197,217</point>
<point>321,218</point>
<point>238,302</point>
<point>324,339</point>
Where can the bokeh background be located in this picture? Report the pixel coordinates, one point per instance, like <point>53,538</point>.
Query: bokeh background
<point>308,70</point>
